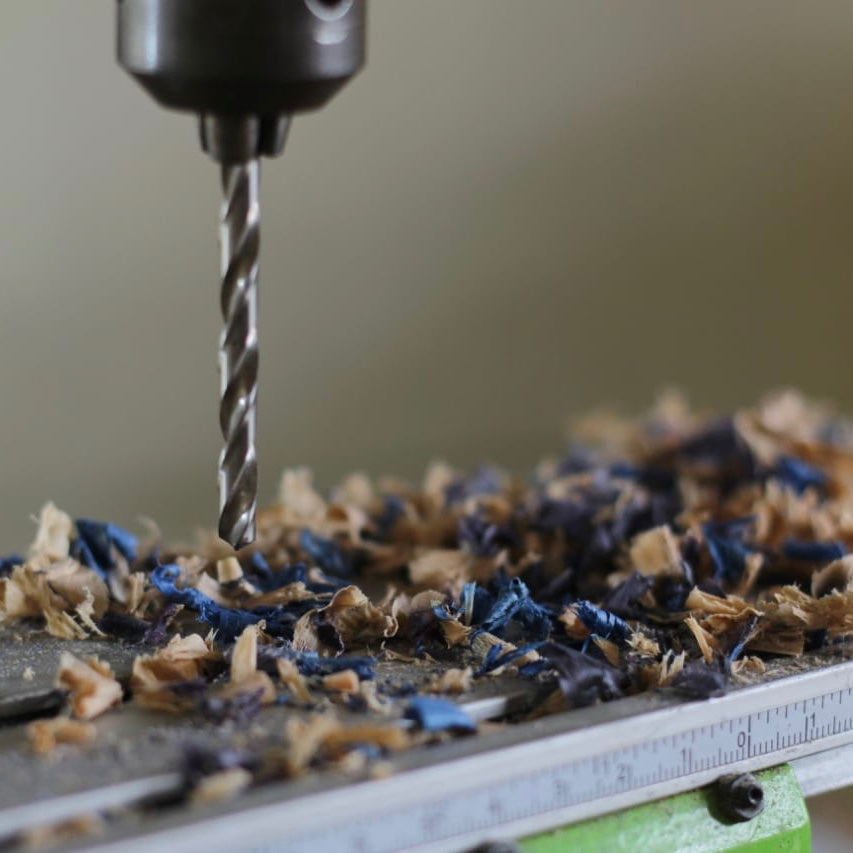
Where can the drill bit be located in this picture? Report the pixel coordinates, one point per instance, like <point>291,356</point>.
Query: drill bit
<point>238,352</point>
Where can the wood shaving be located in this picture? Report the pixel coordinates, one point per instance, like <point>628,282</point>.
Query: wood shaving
<point>292,680</point>
<point>257,682</point>
<point>45,735</point>
<point>441,569</point>
<point>53,538</point>
<point>705,639</point>
<point>351,614</point>
<point>91,685</point>
<point>837,576</point>
<point>345,681</point>
<point>452,681</point>
<point>221,786</point>
<point>65,832</point>
<point>244,657</point>
<point>229,570</point>
<point>655,552</point>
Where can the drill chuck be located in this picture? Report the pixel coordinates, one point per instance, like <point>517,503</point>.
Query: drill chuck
<point>242,65</point>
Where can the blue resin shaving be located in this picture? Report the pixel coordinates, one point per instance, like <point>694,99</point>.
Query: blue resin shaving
<point>227,621</point>
<point>310,663</point>
<point>494,659</point>
<point>439,715</point>
<point>324,552</point>
<point>601,622</point>
<point>96,540</point>
<point>813,552</point>
<point>514,603</point>
<point>728,552</point>
<point>799,475</point>
<point>9,563</point>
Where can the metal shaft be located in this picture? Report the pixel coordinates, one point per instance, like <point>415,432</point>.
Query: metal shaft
<point>238,352</point>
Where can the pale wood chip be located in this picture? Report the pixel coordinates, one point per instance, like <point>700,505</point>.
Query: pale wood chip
<point>441,569</point>
<point>344,681</point>
<point>609,649</point>
<point>62,833</point>
<point>705,639</point>
<point>452,681</point>
<point>182,659</point>
<point>53,537</point>
<point>45,735</point>
<point>748,664</point>
<point>292,679</point>
<point>572,624</point>
<point>221,786</point>
<point>91,684</point>
<point>244,657</point>
<point>639,642</point>
<point>228,570</point>
<point>655,552</point>
<point>257,681</point>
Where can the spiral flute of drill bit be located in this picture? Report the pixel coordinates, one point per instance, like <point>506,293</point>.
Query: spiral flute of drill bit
<point>238,352</point>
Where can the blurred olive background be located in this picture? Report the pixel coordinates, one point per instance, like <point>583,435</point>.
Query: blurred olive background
<point>517,212</point>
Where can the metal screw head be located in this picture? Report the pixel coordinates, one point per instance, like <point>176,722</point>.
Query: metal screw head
<point>740,796</point>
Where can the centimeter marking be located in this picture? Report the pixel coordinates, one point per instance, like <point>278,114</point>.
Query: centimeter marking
<point>545,774</point>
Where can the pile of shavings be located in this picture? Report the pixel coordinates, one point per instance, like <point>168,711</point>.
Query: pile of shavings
<point>675,551</point>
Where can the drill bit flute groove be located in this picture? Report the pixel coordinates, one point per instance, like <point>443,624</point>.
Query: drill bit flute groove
<point>238,352</point>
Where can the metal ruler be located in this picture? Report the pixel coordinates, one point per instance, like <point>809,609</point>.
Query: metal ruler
<point>546,774</point>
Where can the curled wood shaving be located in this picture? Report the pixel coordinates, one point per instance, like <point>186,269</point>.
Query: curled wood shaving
<point>790,612</point>
<point>353,617</point>
<point>731,607</point>
<point>838,575</point>
<point>183,659</point>
<point>154,676</point>
<point>91,684</point>
<point>45,735</point>
<point>65,594</point>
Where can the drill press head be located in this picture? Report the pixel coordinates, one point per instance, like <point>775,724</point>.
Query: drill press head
<point>244,66</point>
